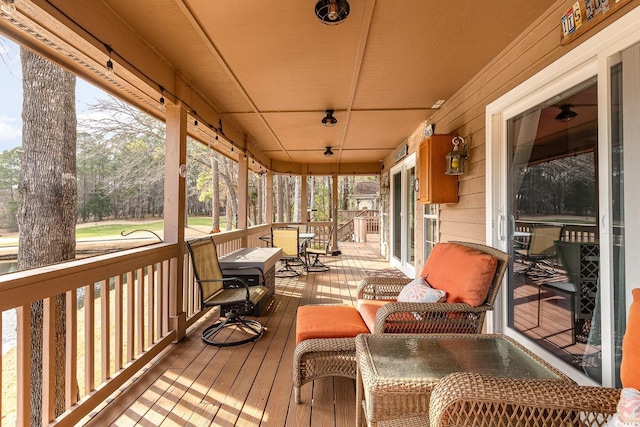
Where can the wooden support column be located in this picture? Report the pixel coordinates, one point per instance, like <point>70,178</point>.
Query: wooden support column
<point>303,198</point>
<point>269,195</point>
<point>334,214</point>
<point>174,209</point>
<point>243,196</point>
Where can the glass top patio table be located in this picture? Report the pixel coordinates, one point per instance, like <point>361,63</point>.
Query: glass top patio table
<point>302,237</point>
<point>400,370</point>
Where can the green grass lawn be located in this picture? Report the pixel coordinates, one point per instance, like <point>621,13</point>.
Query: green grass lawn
<point>115,229</point>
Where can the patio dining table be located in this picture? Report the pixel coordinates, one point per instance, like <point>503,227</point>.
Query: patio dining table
<point>396,372</point>
<point>302,238</point>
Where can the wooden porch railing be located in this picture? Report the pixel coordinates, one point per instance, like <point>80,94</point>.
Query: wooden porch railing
<point>120,312</point>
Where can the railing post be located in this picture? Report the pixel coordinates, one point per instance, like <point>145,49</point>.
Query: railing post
<point>269,200</point>
<point>174,209</point>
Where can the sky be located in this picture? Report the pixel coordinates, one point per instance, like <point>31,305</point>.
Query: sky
<point>11,95</point>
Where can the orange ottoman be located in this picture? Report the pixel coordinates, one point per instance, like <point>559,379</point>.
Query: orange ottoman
<point>325,343</point>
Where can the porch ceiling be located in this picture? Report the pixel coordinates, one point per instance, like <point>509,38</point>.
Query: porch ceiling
<point>271,68</point>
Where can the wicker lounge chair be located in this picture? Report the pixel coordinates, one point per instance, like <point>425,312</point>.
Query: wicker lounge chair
<point>401,317</point>
<point>463,399</point>
<point>325,356</point>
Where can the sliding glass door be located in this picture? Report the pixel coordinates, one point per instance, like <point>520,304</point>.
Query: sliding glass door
<point>403,207</point>
<point>563,147</point>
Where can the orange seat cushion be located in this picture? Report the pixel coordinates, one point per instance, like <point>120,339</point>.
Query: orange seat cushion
<point>464,273</point>
<point>368,309</point>
<point>630,365</point>
<point>328,321</point>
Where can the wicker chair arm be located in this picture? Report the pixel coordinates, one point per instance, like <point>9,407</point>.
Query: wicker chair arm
<point>420,317</point>
<point>463,399</point>
<point>373,287</point>
<point>325,344</point>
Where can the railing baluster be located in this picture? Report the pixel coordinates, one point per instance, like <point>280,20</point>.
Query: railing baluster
<point>48,359</point>
<point>165,290</point>
<point>105,330</point>
<point>139,304</point>
<point>23,415</point>
<point>71,377</point>
<point>151,299</point>
<point>118,341</point>
<point>130,317</point>
<point>160,302</point>
<point>89,344</point>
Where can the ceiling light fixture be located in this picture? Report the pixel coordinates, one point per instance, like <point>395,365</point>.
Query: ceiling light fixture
<point>328,152</point>
<point>329,120</point>
<point>566,114</point>
<point>332,12</point>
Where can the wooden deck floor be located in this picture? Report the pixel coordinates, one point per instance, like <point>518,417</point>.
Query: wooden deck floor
<point>250,385</point>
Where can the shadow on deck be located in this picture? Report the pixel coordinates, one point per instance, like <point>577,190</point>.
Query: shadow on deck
<point>198,385</point>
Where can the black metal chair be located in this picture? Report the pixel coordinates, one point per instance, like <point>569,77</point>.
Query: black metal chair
<point>580,261</point>
<point>310,251</point>
<point>235,297</point>
<point>540,250</point>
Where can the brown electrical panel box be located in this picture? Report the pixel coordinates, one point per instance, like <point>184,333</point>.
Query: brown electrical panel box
<point>433,185</point>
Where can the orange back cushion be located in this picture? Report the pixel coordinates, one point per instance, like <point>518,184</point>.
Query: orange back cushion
<point>464,273</point>
<point>630,365</point>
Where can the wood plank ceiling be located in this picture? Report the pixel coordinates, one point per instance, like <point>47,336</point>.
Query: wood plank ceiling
<point>271,68</point>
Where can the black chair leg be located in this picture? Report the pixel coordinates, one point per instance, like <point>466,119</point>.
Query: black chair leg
<point>252,328</point>
<point>287,270</point>
<point>316,266</point>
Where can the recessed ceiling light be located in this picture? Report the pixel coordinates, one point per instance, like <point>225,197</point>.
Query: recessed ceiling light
<point>438,104</point>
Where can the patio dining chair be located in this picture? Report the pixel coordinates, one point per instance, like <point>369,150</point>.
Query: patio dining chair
<point>580,260</point>
<point>540,250</point>
<point>232,294</point>
<point>312,254</point>
<point>287,239</point>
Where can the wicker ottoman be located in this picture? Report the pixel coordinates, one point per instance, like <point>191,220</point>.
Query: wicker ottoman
<point>325,343</point>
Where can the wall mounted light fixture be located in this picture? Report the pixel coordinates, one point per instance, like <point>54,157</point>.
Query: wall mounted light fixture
<point>329,120</point>
<point>328,152</point>
<point>457,157</point>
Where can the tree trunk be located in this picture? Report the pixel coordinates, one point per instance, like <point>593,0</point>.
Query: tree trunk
<point>48,199</point>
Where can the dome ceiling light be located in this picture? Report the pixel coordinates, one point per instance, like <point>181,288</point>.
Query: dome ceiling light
<point>328,152</point>
<point>332,12</point>
<point>566,113</point>
<point>329,120</point>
